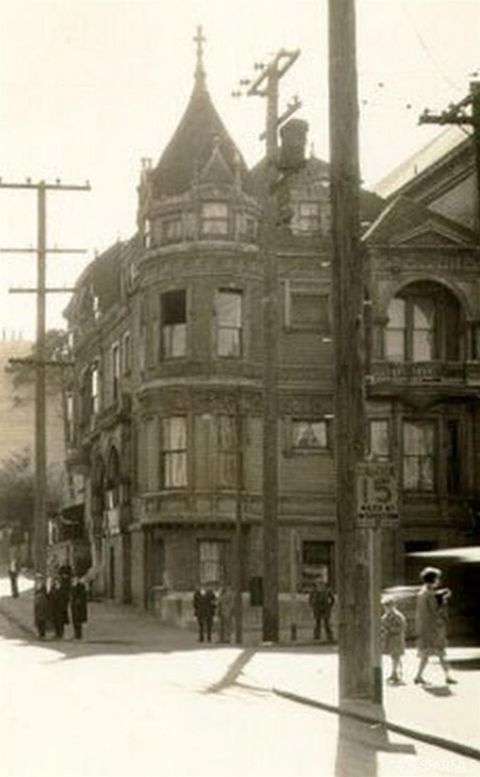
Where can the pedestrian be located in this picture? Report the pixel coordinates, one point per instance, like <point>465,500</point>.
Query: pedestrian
<point>40,606</point>
<point>78,606</point>
<point>394,626</point>
<point>321,600</point>
<point>204,608</point>
<point>431,622</point>
<point>65,574</point>
<point>225,608</point>
<point>13,575</point>
<point>58,601</point>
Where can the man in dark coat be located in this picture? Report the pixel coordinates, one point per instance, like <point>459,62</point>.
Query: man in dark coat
<point>204,609</point>
<point>40,606</point>
<point>65,574</point>
<point>58,599</point>
<point>13,575</point>
<point>321,601</point>
<point>78,606</point>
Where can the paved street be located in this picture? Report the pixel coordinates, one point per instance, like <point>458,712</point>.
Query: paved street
<point>113,707</point>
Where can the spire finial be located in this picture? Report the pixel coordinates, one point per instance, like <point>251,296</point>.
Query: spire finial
<point>199,39</point>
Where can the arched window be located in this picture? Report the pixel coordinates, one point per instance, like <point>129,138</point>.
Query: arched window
<point>424,324</point>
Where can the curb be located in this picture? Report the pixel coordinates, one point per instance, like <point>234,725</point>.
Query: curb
<point>421,736</point>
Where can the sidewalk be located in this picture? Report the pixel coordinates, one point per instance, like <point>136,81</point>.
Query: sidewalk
<point>448,716</point>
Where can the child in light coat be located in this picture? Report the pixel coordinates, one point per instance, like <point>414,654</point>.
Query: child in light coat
<point>394,626</point>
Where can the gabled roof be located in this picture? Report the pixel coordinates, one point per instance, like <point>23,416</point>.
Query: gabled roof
<point>405,222</point>
<point>216,170</point>
<point>200,131</point>
<point>450,142</point>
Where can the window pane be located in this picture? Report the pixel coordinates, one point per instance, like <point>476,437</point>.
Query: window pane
<point>174,309</point>
<point>174,433</point>
<point>175,470</point>
<point>422,346</point>
<point>423,313</point>
<point>215,227</point>
<point>396,313</point>
<point>379,439</point>
<point>395,344</point>
<point>151,459</point>
<point>172,230</point>
<point>426,474</point>
<point>229,342</point>
<point>419,456</point>
<point>410,473</point>
<point>229,308</point>
<point>309,208</point>
<point>316,562</point>
<point>174,341</point>
<point>211,562</point>
<point>418,438</point>
<point>226,432</point>
<point>215,210</point>
<point>309,434</point>
<point>227,470</point>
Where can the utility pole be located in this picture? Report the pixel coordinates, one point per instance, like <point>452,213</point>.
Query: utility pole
<point>356,679</point>
<point>40,515</point>
<point>266,84</point>
<point>456,114</point>
<point>239,435</point>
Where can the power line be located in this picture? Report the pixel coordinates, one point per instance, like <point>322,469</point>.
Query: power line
<point>427,49</point>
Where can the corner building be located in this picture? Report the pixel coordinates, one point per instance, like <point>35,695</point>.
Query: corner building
<point>167,332</point>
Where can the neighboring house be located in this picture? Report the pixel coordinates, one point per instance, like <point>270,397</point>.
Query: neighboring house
<point>167,333</point>
<point>441,176</point>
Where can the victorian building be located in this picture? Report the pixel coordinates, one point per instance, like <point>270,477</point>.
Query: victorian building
<point>167,332</point>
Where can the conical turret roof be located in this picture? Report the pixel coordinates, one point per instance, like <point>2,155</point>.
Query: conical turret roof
<point>200,131</point>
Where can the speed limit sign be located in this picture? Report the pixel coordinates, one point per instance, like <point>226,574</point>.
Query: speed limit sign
<point>377,494</point>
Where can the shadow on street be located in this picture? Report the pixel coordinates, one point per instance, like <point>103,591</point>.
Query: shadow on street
<point>359,745</point>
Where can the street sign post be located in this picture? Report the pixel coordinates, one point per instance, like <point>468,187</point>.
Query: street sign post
<point>377,494</point>
<point>377,509</point>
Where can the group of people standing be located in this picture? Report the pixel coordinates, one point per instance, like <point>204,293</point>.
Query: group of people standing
<point>431,628</point>
<point>206,604</point>
<point>61,599</point>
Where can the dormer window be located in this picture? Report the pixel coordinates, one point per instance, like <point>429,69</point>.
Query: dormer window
<point>307,217</point>
<point>214,218</point>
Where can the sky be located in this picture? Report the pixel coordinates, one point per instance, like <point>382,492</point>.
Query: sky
<point>89,87</point>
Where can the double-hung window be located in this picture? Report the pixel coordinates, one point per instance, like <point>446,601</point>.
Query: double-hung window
<point>174,452</point>
<point>307,216</point>
<point>419,443</point>
<point>379,439</point>
<point>228,307</point>
<point>227,451</point>
<point>309,436</point>
<point>212,558</point>
<point>215,219</point>
<point>174,324</point>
